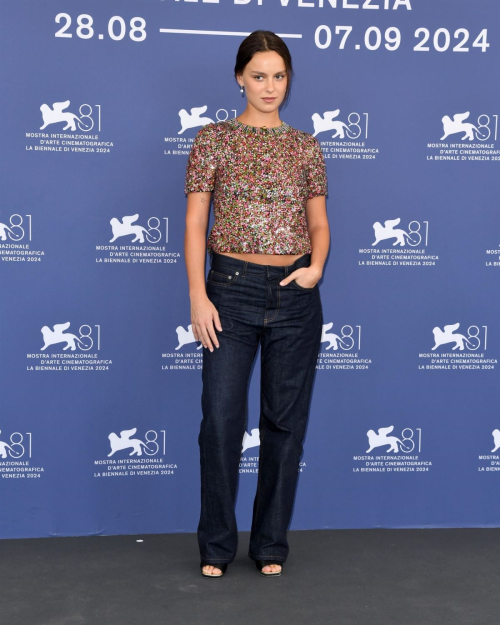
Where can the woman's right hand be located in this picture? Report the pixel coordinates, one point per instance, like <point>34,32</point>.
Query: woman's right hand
<point>204,316</point>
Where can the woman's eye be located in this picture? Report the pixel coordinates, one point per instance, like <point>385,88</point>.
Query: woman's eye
<point>278,76</point>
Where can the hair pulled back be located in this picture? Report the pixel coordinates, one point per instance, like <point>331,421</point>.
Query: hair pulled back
<point>264,41</point>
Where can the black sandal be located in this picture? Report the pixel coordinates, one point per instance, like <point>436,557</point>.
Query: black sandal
<point>222,567</point>
<point>260,564</point>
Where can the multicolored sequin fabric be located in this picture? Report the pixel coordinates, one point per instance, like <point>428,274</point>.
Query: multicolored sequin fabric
<point>261,179</point>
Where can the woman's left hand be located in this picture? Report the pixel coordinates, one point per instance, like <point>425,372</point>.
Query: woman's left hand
<point>309,276</point>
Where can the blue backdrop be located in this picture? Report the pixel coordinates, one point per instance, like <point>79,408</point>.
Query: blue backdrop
<point>101,376</point>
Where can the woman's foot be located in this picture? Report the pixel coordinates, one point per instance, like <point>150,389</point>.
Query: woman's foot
<point>269,568</point>
<point>212,570</point>
<point>272,568</point>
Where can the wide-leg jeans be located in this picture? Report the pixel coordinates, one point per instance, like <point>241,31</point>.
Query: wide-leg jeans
<point>287,322</point>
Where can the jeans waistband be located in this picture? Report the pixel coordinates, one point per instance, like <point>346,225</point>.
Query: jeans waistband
<point>220,261</point>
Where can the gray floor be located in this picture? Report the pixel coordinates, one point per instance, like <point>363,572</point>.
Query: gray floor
<point>400,577</point>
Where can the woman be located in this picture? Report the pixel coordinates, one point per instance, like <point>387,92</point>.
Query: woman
<point>267,249</point>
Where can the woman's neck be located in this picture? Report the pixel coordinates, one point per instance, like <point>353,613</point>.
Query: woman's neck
<point>259,121</point>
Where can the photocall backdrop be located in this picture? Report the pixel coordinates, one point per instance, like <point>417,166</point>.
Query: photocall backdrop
<point>101,375</point>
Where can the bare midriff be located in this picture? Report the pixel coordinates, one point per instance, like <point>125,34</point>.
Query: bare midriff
<point>265,259</point>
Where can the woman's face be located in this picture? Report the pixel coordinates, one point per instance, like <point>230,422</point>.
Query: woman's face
<point>264,76</point>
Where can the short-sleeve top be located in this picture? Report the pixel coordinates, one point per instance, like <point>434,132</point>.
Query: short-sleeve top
<point>261,179</point>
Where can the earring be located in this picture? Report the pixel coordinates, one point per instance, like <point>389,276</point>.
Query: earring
<point>241,88</point>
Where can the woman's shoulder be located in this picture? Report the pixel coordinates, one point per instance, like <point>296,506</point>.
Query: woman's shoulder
<point>212,130</point>
<point>305,139</point>
<point>216,132</point>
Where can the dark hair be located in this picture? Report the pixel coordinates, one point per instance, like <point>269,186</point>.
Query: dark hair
<point>263,41</point>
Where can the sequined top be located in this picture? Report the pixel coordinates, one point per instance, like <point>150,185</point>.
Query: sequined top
<point>261,179</point>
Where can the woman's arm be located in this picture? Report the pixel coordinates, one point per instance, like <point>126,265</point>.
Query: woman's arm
<point>197,213</point>
<point>319,231</point>
<point>203,313</point>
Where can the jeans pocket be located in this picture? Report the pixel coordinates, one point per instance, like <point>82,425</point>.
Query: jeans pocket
<point>303,288</point>
<point>222,277</point>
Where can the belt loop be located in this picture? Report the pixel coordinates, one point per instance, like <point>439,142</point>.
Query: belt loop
<point>245,267</point>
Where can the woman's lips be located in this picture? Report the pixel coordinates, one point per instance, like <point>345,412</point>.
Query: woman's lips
<point>269,99</point>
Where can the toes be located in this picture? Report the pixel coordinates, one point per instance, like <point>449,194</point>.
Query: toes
<point>271,568</point>
<point>211,570</point>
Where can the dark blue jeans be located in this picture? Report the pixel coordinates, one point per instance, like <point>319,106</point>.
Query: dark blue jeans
<point>287,322</point>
